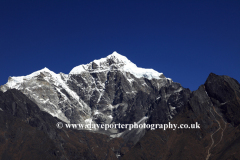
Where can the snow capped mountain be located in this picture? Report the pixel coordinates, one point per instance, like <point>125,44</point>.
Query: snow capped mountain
<point>15,82</point>
<point>108,90</point>
<point>116,61</point>
<point>42,87</point>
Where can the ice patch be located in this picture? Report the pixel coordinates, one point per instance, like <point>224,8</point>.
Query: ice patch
<point>116,135</point>
<point>144,118</point>
<point>95,112</point>
<point>172,108</point>
<point>206,93</point>
<point>178,90</point>
<point>88,121</point>
<point>110,116</point>
<point>130,80</point>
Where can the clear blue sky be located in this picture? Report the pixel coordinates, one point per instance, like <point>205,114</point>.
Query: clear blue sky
<point>186,39</point>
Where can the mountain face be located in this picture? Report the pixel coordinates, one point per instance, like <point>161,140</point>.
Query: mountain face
<point>113,90</point>
<point>216,107</point>
<point>110,90</point>
<point>26,132</point>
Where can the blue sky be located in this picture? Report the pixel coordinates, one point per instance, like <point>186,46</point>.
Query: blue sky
<point>185,40</point>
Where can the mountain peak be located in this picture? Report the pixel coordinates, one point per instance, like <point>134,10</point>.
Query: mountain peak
<point>15,82</point>
<point>115,54</point>
<point>114,58</point>
<point>36,73</point>
<point>116,61</point>
<point>118,56</point>
<point>45,69</point>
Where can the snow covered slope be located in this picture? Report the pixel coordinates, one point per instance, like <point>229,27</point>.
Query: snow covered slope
<point>116,61</point>
<point>46,89</point>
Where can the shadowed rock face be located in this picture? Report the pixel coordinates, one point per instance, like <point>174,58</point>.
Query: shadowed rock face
<point>215,106</point>
<point>127,103</point>
<point>26,132</point>
<point>225,94</point>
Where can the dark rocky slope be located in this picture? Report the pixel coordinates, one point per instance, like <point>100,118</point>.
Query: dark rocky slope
<point>216,106</point>
<point>28,133</point>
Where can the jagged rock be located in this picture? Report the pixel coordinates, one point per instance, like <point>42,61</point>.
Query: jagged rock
<point>225,93</point>
<point>219,134</point>
<point>26,132</point>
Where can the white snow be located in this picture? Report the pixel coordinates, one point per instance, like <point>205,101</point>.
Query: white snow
<point>96,112</point>
<point>144,118</point>
<point>178,90</point>
<point>110,116</point>
<point>116,135</point>
<point>88,121</point>
<point>130,80</point>
<point>15,82</point>
<point>110,106</point>
<point>122,64</point>
<point>172,108</point>
<point>89,124</point>
<point>100,96</point>
<point>58,80</point>
<point>206,93</point>
<point>78,69</point>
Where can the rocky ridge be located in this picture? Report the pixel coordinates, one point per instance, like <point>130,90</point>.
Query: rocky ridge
<point>216,107</point>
